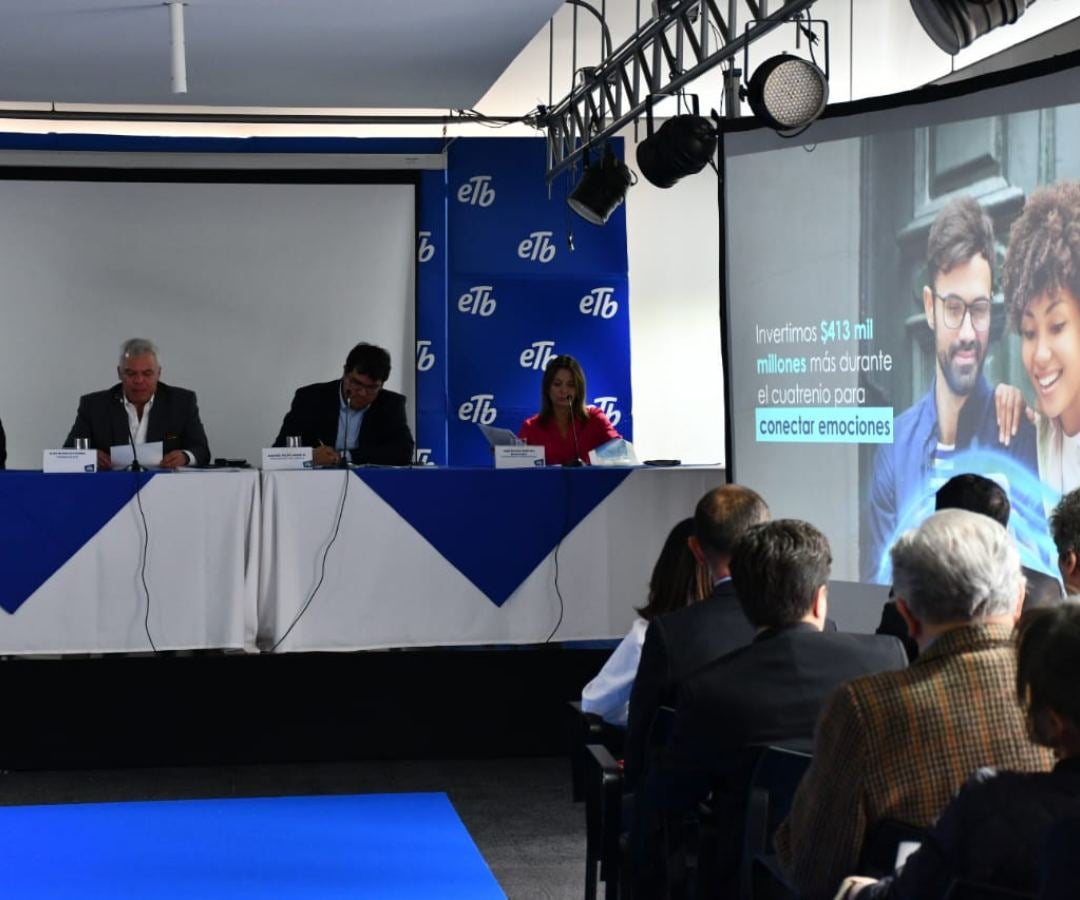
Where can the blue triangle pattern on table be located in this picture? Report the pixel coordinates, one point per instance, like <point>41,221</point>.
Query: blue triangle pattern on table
<point>47,519</point>
<point>495,527</point>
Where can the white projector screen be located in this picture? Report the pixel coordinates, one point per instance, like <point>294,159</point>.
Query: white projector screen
<point>249,289</point>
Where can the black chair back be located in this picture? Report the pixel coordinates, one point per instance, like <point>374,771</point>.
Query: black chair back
<point>776,775</point>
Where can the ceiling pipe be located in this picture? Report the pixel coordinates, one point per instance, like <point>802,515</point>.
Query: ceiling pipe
<point>176,40</point>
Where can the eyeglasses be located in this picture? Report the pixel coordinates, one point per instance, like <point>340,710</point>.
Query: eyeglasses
<point>364,387</point>
<point>955,309</point>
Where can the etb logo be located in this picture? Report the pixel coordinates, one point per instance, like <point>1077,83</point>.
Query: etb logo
<point>423,456</point>
<point>425,359</point>
<point>477,301</point>
<point>599,302</point>
<point>537,247</point>
<point>477,191</point>
<point>425,250</point>
<point>537,355</point>
<point>478,408</point>
<point>606,405</point>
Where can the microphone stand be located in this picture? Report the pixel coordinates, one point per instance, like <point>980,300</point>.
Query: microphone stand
<point>343,424</point>
<point>135,465</point>
<point>573,430</point>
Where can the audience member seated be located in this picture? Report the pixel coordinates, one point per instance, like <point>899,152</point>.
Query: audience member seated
<point>1065,528</point>
<point>687,639</point>
<point>994,831</point>
<point>981,495</point>
<point>898,745</point>
<point>677,579</point>
<point>769,692</point>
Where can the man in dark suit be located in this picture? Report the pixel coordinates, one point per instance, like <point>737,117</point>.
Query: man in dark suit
<point>770,691</point>
<point>680,642</point>
<point>354,414</point>
<point>975,493</point>
<point>142,409</point>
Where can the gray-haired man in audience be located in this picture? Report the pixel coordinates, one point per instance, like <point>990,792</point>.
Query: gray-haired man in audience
<point>898,745</point>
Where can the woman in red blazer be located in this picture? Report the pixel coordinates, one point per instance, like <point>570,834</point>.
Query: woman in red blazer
<point>565,427</point>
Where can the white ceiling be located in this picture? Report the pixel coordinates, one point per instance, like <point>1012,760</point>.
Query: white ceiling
<point>437,54</point>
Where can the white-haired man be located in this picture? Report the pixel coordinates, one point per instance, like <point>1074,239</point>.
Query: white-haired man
<point>142,408</point>
<point>898,745</point>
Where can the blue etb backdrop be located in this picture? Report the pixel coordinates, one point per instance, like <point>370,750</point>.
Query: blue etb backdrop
<point>431,411</point>
<point>517,295</point>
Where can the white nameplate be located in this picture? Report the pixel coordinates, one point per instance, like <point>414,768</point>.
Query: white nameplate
<point>69,461</point>
<point>286,458</point>
<point>521,456</point>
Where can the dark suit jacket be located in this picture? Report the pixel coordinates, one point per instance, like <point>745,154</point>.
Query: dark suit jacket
<point>676,645</point>
<point>384,438</point>
<point>174,420</point>
<point>771,691</point>
<point>993,832</point>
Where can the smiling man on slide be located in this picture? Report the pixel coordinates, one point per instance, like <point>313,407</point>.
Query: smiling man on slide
<point>960,411</point>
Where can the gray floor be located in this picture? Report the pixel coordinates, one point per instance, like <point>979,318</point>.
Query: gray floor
<point>518,811</point>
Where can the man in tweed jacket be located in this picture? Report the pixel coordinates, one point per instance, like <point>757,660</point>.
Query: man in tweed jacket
<point>898,745</point>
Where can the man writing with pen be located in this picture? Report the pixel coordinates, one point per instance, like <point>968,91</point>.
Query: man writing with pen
<point>354,418</point>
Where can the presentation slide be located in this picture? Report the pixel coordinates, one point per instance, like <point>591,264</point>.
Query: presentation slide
<point>903,305</point>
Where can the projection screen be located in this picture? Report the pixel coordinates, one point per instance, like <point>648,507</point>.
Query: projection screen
<point>250,286</point>
<point>851,396</point>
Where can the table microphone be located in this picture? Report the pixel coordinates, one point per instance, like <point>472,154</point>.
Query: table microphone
<point>135,466</point>
<point>343,426</point>
<point>573,430</point>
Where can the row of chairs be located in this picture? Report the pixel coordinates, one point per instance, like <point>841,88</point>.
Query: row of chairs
<point>773,776</point>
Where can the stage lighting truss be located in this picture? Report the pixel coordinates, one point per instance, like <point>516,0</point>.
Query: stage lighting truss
<point>665,54</point>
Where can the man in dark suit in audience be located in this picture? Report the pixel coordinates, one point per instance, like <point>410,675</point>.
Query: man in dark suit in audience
<point>1065,528</point>
<point>353,415</point>
<point>898,745</point>
<point>142,409</point>
<point>680,642</point>
<point>768,692</point>
<point>975,493</point>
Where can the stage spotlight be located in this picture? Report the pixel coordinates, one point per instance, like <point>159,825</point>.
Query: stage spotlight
<point>787,92</point>
<point>954,24</point>
<point>601,189</point>
<point>682,146</point>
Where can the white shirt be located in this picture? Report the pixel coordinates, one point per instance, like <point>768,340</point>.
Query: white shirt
<point>138,426</point>
<point>608,694</point>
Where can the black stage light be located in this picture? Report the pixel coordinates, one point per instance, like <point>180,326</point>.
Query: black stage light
<point>787,92</point>
<point>682,146</point>
<point>954,24</point>
<point>602,188</point>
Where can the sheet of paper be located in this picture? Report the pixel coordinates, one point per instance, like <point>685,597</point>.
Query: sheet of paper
<point>149,454</point>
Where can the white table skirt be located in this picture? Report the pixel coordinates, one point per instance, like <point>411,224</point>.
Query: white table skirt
<point>386,586</point>
<point>202,573</point>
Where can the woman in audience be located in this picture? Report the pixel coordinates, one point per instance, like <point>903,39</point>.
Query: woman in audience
<point>677,579</point>
<point>565,427</point>
<point>994,830</point>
